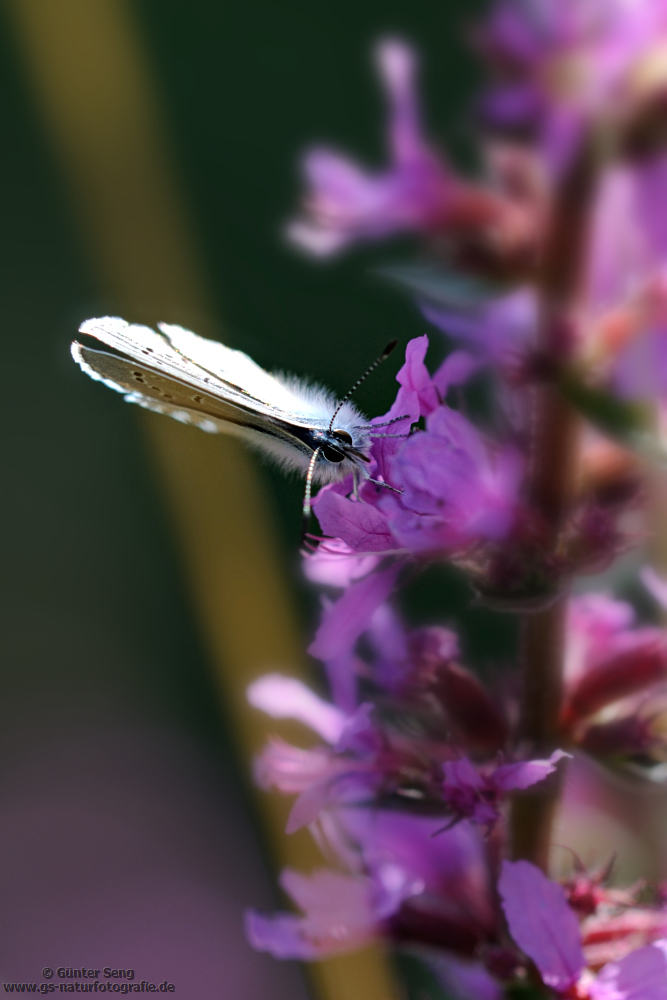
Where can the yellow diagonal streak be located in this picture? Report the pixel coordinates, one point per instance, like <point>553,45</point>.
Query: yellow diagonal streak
<point>93,88</point>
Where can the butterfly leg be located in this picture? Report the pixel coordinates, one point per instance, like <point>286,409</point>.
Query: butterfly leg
<point>379,482</point>
<point>385,423</point>
<point>376,436</point>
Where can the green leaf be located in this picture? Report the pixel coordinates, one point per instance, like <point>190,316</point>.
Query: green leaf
<point>442,286</point>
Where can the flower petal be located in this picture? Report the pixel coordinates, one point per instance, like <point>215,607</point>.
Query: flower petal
<point>542,923</point>
<point>641,975</point>
<point>281,936</point>
<point>287,698</point>
<point>344,621</point>
<point>509,777</point>
<point>360,525</point>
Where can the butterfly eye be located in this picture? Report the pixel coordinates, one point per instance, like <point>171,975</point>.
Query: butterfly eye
<point>343,436</point>
<point>332,454</point>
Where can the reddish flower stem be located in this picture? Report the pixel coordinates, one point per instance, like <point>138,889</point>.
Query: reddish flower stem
<point>553,477</point>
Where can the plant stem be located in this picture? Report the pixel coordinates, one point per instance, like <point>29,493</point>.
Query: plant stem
<point>552,485</point>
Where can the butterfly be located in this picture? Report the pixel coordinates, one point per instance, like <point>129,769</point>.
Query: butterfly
<point>221,390</point>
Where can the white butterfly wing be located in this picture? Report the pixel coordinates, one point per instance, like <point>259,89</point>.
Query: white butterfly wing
<point>199,381</point>
<point>206,365</point>
<point>234,367</point>
<point>190,405</point>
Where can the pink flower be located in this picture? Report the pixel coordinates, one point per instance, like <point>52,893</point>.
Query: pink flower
<point>334,563</point>
<point>399,880</point>
<point>476,794</point>
<point>341,772</point>
<point>341,913</point>
<point>287,698</point>
<point>451,867</point>
<point>457,488</point>
<point>347,203</point>
<point>343,622</point>
<point>547,931</point>
<point>501,331</point>
<point>568,60</point>
<point>607,659</point>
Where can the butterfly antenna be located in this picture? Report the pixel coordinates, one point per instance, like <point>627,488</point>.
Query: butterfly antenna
<point>308,491</point>
<point>378,361</point>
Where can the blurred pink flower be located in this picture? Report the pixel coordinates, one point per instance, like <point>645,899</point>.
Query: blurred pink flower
<point>475,794</point>
<point>564,61</point>
<point>547,931</point>
<point>417,888</point>
<point>347,203</point>
<point>608,658</point>
<point>341,913</point>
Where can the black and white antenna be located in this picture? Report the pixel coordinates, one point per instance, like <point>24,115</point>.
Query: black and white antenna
<point>371,368</point>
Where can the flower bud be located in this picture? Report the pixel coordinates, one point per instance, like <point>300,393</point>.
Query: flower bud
<point>623,737</point>
<point>473,716</point>
<point>618,677</point>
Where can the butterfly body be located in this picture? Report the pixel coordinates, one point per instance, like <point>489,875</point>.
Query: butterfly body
<point>220,390</point>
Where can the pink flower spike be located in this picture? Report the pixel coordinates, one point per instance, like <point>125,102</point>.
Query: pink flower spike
<point>542,923</point>
<point>513,777</point>
<point>287,698</point>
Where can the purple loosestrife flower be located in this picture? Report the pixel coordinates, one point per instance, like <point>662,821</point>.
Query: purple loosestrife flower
<point>500,332</point>
<point>458,490</point>
<point>342,913</point>
<point>466,980</point>
<point>563,62</point>
<point>371,757</point>
<point>347,203</point>
<point>547,931</point>
<point>624,347</point>
<point>396,879</point>
<point>345,770</point>
<point>453,908</point>
<point>334,563</point>
<point>476,794</point>
<point>417,193</point>
<point>607,657</point>
<point>342,625</point>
